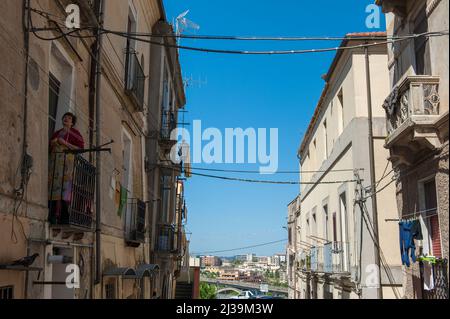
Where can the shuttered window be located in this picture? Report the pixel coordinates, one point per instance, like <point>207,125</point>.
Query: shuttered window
<point>6,292</point>
<point>433,222</point>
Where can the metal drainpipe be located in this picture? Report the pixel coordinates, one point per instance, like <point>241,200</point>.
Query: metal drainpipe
<point>98,142</point>
<point>372,173</point>
<point>26,40</point>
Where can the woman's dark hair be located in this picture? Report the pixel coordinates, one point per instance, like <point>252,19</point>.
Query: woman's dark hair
<point>74,118</point>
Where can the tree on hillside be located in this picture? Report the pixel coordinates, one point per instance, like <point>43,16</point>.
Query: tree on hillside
<point>207,291</point>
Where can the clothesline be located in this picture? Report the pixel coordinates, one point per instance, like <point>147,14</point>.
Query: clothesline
<point>415,214</point>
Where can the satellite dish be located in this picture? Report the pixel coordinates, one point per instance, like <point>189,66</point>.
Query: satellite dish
<point>182,23</point>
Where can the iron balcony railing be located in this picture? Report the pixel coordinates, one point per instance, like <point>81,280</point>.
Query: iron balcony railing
<point>72,190</point>
<point>135,222</point>
<point>134,79</point>
<point>336,258</point>
<point>331,258</point>
<point>437,283</point>
<point>414,100</point>
<point>168,124</point>
<point>165,241</point>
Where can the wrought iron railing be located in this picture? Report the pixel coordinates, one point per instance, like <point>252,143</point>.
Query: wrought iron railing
<point>134,78</point>
<point>168,124</point>
<point>165,241</point>
<point>416,96</point>
<point>135,221</point>
<point>438,278</point>
<point>72,190</point>
<point>336,258</point>
<point>331,258</point>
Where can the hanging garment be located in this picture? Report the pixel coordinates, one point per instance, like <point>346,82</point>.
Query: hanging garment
<point>123,201</point>
<point>407,246</point>
<point>416,230</point>
<point>428,279</point>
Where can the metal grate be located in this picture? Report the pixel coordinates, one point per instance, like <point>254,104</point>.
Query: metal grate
<point>6,292</point>
<point>440,277</point>
<point>168,124</point>
<point>110,290</point>
<point>135,229</point>
<point>165,239</point>
<point>81,173</point>
<point>80,209</point>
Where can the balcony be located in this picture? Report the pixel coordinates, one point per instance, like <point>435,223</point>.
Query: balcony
<point>398,7</point>
<point>71,192</point>
<point>413,116</point>
<point>135,223</point>
<point>168,124</point>
<point>165,240</point>
<point>304,262</point>
<point>134,79</point>
<point>331,259</point>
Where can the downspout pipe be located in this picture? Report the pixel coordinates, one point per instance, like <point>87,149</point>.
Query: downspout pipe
<point>372,174</point>
<point>26,40</point>
<point>98,142</point>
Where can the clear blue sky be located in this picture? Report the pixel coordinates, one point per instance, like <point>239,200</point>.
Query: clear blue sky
<point>258,92</point>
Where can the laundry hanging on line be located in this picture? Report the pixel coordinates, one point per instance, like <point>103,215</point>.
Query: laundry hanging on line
<point>409,231</point>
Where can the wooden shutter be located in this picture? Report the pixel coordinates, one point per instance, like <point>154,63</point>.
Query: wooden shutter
<point>431,207</point>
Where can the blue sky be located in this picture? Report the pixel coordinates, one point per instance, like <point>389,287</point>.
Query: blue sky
<point>255,92</point>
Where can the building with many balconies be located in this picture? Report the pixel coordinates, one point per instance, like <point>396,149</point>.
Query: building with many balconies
<point>105,213</point>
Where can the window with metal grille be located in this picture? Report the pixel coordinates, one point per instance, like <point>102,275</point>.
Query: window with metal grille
<point>6,292</point>
<point>110,290</point>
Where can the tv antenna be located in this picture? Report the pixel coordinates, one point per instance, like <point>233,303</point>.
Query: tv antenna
<point>182,23</point>
<point>191,82</point>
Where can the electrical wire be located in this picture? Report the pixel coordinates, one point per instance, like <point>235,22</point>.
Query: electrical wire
<point>117,73</point>
<point>240,248</point>
<point>258,180</point>
<point>275,52</point>
<point>242,38</point>
<point>277,172</point>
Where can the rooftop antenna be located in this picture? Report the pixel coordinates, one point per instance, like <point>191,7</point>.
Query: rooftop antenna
<point>182,23</point>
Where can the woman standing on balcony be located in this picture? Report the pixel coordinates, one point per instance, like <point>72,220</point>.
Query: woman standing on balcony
<point>61,168</point>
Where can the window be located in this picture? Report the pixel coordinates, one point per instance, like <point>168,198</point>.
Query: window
<point>165,184</point>
<point>341,111</point>
<point>344,230</point>
<point>290,235</point>
<point>130,49</point>
<point>343,219</point>
<point>53,97</point>
<point>421,44</point>
<point>325,139</point>
<point>6,292</point>
<point>60,82</point>
<point>110,290</point>
<point>325,221</point>
<point>314,222</point>
<point>127,180</point>
<point>432,233</point>
<point>308,228</point>
<point>334,228</point>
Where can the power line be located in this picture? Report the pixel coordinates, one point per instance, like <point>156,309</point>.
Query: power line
<point>246,180</point>
<point>117,73</point>
<point>240,248</point>
<point>277,172</point>
<point>243,38</point>
<point>271,52</point>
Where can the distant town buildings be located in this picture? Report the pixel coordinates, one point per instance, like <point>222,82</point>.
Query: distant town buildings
<point>210,261</point>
